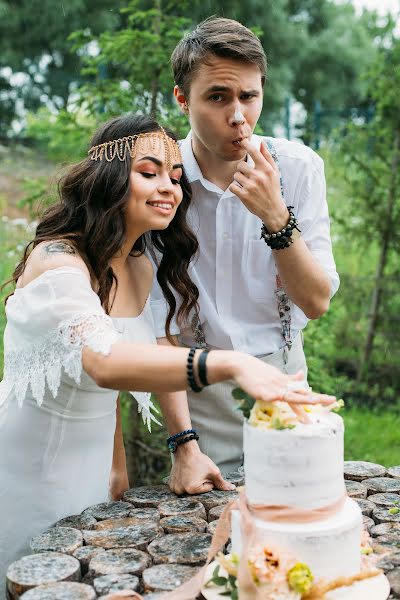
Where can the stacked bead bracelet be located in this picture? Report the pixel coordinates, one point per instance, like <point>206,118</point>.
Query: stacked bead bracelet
<point>201,370</point>
<point>283,238</point>
<point>190,434</point>
<point>181,438</point>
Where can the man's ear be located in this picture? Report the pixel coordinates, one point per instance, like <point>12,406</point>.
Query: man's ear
<point>181,100</point>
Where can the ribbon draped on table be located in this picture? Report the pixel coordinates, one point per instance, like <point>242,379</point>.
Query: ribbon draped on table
<point>247,588</point>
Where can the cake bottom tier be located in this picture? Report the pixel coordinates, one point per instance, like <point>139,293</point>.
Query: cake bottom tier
<point>330,547</point>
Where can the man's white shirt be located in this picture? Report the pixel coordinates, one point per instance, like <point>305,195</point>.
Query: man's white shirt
<point>235,270</point>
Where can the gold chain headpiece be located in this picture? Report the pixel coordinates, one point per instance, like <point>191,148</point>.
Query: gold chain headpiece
<point>152,142</point>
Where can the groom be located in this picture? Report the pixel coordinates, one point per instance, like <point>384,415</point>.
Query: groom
<point>256,293</point>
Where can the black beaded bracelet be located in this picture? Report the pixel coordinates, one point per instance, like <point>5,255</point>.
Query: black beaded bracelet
<point>173,446</point>
<point>190,373</point>
<point>283,238</point>
<point>202,368</point>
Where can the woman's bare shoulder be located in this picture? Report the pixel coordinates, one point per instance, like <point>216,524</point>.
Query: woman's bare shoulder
<point>50,255</point>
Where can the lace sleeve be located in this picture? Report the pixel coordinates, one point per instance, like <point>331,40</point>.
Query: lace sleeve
<point>48,323</point>
<point>59,349</point>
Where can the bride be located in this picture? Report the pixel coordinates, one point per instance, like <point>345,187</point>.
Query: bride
<point>79,329</point>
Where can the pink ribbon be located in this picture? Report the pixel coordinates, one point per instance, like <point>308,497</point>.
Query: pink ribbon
<point>248,590</point>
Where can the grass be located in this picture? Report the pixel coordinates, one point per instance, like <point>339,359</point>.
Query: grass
<point>372,435</point>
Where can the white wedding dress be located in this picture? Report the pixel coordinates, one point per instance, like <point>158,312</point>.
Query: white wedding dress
<point>56,425</point>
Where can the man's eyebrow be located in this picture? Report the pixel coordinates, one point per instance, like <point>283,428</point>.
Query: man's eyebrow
<point>224,88</point>
<point>159,163</point>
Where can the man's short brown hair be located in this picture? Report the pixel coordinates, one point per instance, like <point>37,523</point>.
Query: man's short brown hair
<point>219,37</point>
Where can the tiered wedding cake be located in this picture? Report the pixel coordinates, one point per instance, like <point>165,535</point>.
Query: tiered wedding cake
<point>297,475</point>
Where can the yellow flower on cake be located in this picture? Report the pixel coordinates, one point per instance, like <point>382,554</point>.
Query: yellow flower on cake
<point>273,415</point>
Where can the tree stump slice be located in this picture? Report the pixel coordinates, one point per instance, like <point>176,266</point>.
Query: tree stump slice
<point>388,563</point>
<point>145,514</point>
<point>216,512</point>
<point>176,524</point>
<point>391,539</point>
<point>366,506</point>
<point>115,583</point>
<point>388,500</point>
<point>58,539</point>
<point>212,526</point>
<point>382,515</point>
<point>215,498</point>
<point>394,472</point>
<point>127,522</point>
<point>358,470</point>
<point>66,590</point>
<point>85,554</point>
<point>382,484</point>
<point>181,548</point>
<point>355,489</point>
<point>394,580</point>
<point>134,536</point>
<point>148,495</point>
<point>36,569</point>
<point>120,595</point>
<point>385,529</point>
<point>109,510</point>
<point>368,523</point>
<point>235,477</point>
<point>128,561</point>
<point>183,507</point>
<point>163,578</point>
<point>82,521</point>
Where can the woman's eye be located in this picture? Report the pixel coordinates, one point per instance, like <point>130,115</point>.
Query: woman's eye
<point>148,175</point>
<point>175,181</point>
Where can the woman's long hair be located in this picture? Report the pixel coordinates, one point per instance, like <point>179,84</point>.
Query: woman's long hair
<point>90,214</point>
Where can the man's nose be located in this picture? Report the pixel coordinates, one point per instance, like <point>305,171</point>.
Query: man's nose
<point>237,117</point>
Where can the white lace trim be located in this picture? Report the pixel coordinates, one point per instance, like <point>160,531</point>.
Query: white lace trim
<point>41,363</point>
<point>145,406</point>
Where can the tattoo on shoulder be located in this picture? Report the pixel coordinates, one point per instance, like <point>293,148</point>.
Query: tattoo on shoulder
<point>58,248</point>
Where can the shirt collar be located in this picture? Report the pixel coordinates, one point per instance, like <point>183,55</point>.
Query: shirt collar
<point>192,169</point>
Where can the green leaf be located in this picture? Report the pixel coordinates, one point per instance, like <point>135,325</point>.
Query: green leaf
<point>394,511</point>
<point>239,394</point>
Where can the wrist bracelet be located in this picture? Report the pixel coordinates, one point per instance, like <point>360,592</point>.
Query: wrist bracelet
<point>202,368</point>
<point>283,238</point>
<point>190,373</point>
<point>173,446</point>
<point>180,434</point>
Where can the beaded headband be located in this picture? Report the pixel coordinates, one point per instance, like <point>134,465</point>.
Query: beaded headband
<point>152,142</point>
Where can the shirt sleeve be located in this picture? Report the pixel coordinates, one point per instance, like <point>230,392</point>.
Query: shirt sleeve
<point>313,216</point>
<point>49,322</point>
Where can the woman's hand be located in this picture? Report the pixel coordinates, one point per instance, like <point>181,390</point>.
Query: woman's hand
<point>267,383</point>
<point>119,483</point>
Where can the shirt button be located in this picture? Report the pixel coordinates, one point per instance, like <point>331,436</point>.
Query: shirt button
<point>226,236</point>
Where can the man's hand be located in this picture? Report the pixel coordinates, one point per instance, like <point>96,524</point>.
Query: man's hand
<point>259,187</point>
<point>194,473</point>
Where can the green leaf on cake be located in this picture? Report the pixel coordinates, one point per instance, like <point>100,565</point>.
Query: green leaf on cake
<point>245,402</point>
<point>280,425</point>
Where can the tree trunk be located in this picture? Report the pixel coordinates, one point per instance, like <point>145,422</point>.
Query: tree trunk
<point>379,276</point>
<point>154,92</point>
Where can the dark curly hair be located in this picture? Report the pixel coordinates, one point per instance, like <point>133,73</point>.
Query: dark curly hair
<point>90,214</point>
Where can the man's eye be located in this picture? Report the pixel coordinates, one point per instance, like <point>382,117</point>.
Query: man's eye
<point>148,175</point>
<point>248,96</point>
<point>216,98</point>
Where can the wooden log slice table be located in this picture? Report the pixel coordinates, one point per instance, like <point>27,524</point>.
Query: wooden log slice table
<point>136,542</point>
